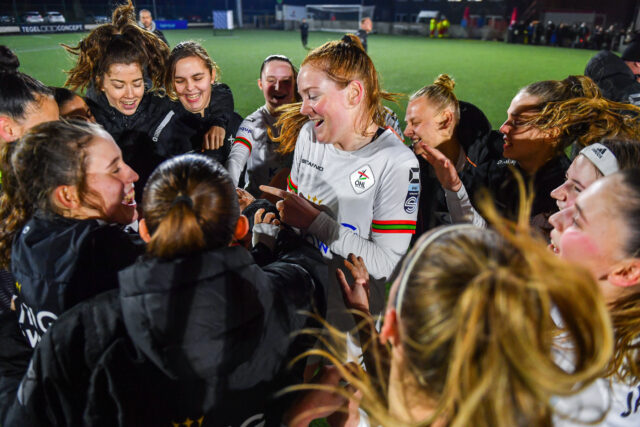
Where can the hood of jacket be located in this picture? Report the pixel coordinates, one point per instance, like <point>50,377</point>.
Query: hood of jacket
<point>606,64</point>
<point>199,316</point>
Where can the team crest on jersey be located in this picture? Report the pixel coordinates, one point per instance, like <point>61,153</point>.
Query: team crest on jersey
<point>362,179</point>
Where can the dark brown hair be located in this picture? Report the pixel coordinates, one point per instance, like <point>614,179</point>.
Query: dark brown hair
<point>189,204</point>
<point>121,42</point>
<point>183,50</point>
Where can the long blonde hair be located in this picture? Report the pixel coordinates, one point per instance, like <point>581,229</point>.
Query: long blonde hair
<point>475,320</point>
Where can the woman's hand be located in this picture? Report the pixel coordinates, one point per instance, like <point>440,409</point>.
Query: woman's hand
<point>314,404</point>
<point>355,296</point>
<point>445,171</point>
<point>269,218</point>
<point>244,198</point>
<point>213,139</point>
<point>294,210</point>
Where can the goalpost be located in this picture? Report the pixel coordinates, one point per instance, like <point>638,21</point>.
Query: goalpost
<point>332,16</point>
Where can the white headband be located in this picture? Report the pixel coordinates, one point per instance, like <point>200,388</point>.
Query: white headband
<point>414,259</point>
<point>601,157</point>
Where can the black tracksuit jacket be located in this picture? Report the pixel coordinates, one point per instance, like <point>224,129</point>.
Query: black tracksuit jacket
<point>57,262</point>
<point>203,338</point>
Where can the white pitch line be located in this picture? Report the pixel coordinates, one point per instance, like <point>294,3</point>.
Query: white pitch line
<point>39,49</point>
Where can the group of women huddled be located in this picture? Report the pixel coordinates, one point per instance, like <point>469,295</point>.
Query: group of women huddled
<point>166,262</point>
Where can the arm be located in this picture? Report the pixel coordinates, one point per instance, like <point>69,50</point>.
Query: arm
<point>240,151</point>
<point>394,221</point>
<point>461,209</point>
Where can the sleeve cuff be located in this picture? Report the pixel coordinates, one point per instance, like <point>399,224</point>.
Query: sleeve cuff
<point>265,234</point>
<point>325,228</point>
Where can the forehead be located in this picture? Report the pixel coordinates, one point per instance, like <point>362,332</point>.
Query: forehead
<point>191,65</point>
<point>277,68</point>
<point>101,151</point>
<point>310,76</point>
<point>125,72</point>
<point>582,167</point>
<point>145,13</point>
<point>597,200</point>
<point>521,102</point>
<point>419,108</point>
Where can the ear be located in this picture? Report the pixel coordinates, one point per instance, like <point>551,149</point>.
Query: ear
<point>355,92</point>
<point>9,130</point>
<point>626,273</point>
<point>66,197</point>
<point>213,75</point>
<point>446,120</point>
<point>389,331</point>
<point>260,83</point>
<point>242,228</point>
<point>144,231</point>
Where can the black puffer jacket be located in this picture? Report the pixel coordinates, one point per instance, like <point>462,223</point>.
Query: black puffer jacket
<point>134,134</point>
<point>203,339</point>
<point>57,262</point>
<point>498,177</point>
<point>479,143</point>
<point>613,77</point>
<point>191,127</point>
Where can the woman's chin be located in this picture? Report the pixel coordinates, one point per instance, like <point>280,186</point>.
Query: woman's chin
<point>125,215</point>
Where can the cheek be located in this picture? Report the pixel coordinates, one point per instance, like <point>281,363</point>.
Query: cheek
<point>578,246</point>
<point>109,190</point>
<point>113,94</point>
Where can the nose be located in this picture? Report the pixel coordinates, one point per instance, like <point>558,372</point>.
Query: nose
<point>305,108</point>
<point>131,175</point>
<point>560,193</point>
<point>506,127</point>
<point>129,92</point>
<point>189,84</point>
<point>408,131</point>
<point>276,86</point>
<point>561,219</point>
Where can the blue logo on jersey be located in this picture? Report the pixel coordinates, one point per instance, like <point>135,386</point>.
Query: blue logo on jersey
<point>323,247</point>
<point>242,128</point>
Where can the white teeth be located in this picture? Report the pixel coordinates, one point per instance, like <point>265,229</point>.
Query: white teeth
<point>129,102</point>
<point>193,96</point>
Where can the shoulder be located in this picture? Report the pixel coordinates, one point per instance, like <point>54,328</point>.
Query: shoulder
<point>396,152</point>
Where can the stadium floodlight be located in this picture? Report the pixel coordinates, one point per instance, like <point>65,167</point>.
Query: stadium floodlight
<point>340,12</point>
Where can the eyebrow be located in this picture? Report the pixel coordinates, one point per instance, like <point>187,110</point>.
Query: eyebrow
<point>580,212</point>
<point>531,108</point>
<point>113,162</point>
<point>574,180</point>
<point>123,82</point>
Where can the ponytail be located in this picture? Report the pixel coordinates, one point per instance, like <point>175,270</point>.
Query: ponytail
<point>588,120</point>
<point>189,205</point>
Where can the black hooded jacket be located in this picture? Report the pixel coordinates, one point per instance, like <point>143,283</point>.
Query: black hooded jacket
<point>613,77</point>
<point>57,262</point>
<point>479,143</point>
<point>137,134</point>
<point>191,127</point>
<point>203,339</point>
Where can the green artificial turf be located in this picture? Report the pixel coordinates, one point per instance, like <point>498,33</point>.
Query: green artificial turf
<point>487,73</point>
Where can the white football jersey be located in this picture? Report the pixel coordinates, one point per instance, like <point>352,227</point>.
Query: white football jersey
<point>263,162</point>
<point>372,194</point>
